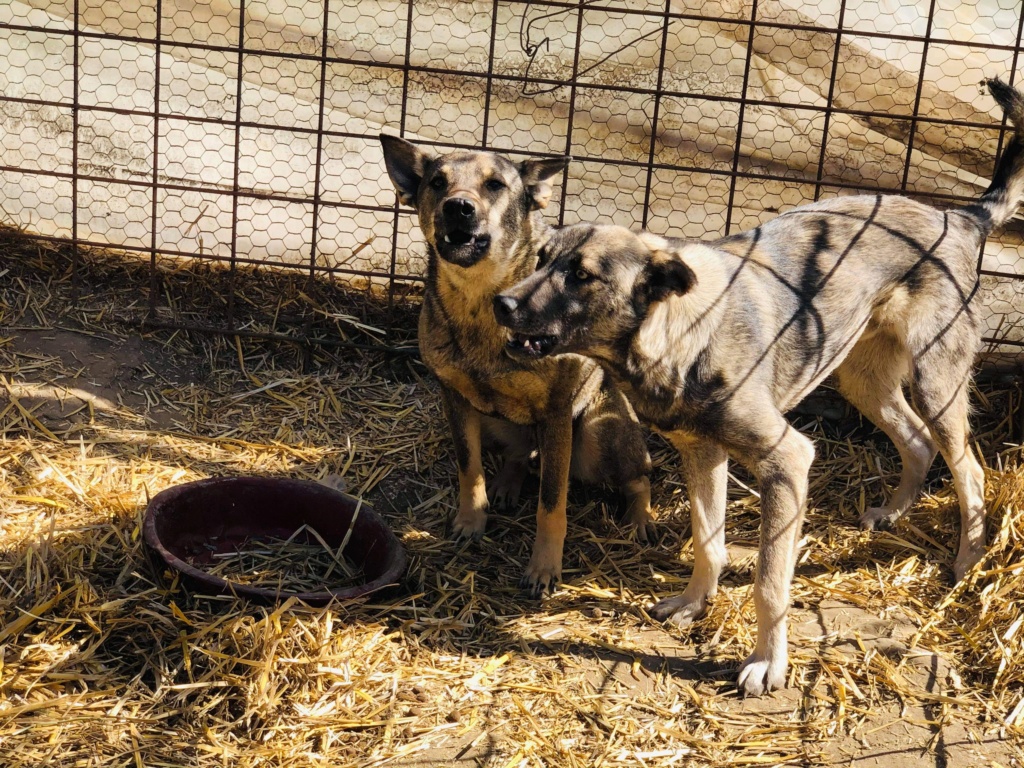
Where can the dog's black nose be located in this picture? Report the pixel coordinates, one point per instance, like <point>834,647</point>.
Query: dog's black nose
<point>459,211</point>
<point>504,308</point>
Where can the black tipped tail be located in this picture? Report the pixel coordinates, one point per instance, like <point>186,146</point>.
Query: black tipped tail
<point>1005,193</point>
<point>1009,98</point>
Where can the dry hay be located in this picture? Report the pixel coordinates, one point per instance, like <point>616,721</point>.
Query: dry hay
<point>302,563</point>
<point>106,663</point>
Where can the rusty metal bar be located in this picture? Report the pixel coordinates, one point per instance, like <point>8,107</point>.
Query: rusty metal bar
<point>657,110</point>
<point>828,101</point>
<point>739,120</point>
<point>154,285</point>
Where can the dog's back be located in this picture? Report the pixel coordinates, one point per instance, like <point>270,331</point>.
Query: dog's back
<point>881,264</point>
<point>875,262</point>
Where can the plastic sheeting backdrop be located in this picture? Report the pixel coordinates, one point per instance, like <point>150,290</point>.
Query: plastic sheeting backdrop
<point>245,131</point>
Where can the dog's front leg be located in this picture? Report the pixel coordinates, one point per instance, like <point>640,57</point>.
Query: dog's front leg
<point>705,470</point>
<point>555,439</point>
<point>464,422</point>
<point>782,473</point>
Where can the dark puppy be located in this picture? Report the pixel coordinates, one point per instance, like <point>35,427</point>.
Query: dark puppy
<point>714,342</point>
<point>478,214</point>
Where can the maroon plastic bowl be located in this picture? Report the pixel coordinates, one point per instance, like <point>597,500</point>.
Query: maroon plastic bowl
<point>194,521</point>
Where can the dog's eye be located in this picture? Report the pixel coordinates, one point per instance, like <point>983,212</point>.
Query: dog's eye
<point>582,275</point>
<point>438,182</point>
<point>495,185</point>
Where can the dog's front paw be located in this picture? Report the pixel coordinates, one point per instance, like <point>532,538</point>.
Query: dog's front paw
<point>469,525</point>
<point>762,673</point>
<point>879,519</point>
<point>543,575</point>
<point>681,610</point>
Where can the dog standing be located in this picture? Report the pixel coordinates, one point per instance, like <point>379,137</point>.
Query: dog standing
<point>479,214</point>
<point>714,342</point>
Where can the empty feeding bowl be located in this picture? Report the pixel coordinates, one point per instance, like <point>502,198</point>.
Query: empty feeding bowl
<point>268,539</point>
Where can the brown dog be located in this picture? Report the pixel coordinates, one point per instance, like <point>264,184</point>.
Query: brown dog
<point>479,215</point>
<point>714,342</point>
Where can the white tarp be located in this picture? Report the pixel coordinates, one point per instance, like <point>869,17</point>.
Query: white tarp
<point>703,58</point>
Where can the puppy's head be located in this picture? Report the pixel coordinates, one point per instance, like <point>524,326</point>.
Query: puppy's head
<point>470,204</point>
<point>595,286</point>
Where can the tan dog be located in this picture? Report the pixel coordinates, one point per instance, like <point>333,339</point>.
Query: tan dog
<point>478,214</point>
<point>714,342</point>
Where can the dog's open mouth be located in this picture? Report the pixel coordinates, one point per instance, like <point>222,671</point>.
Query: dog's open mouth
<point>464,238</point>
<point>531,346</point>
<point>462,244</point>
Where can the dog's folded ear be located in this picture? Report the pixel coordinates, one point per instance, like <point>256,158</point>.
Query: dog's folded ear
<point>536,175</point>
<point>406,164</point>
<point>665,273</point>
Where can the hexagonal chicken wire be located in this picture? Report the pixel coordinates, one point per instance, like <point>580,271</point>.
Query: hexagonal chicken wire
<point>187,128</point>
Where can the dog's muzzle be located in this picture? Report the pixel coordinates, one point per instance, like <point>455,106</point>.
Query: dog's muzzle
<point>506,309</point>
<point>457,237</point>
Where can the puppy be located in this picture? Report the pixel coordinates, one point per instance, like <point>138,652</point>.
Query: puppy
<point>479,214</point>
<point>714,342</point>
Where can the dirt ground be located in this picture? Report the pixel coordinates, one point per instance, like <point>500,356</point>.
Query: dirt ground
<point>105,662</point>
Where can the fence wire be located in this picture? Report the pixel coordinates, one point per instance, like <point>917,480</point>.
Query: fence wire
<point>244,132</point>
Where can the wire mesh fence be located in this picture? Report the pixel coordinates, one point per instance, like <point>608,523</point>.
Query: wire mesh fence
<point>244,132</point>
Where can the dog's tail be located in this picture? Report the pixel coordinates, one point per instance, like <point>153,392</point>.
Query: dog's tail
<point>999,203</point>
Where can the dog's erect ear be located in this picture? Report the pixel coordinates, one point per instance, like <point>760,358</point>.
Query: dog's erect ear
<point>536,175</point>
<point>665,274</point>
<point>405,163</point>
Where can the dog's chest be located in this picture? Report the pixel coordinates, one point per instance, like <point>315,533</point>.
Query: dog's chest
<point>670,414</point>
<point>517,396</point>
<point>692,400</point>
<point>466,351</point>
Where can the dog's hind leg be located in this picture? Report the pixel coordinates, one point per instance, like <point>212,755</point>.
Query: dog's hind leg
<point>636,494</point>
<point>705,470</point>
<point>507,485</point>
<point>939,388</point>
<point>516,444</point>
<point>609,448</point>
<point>871,378</point>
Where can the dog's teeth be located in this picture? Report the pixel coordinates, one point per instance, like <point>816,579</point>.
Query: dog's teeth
<point>447,239</point>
